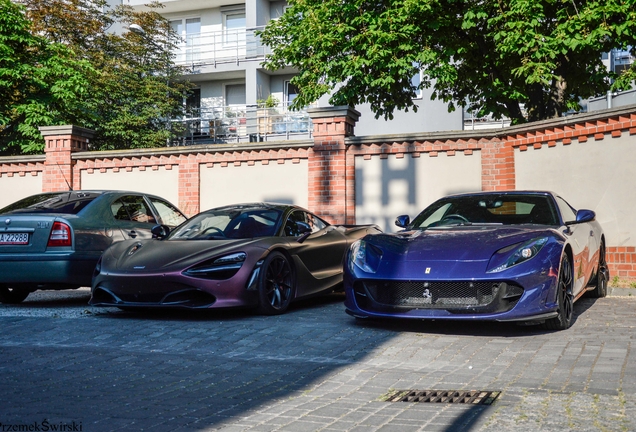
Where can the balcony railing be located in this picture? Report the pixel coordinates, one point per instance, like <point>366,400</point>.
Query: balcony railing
<point>220,47</point>
<point>229,124</point>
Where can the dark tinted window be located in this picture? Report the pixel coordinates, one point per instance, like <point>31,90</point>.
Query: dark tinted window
<point>291,229</point>
<point>229,222</point>
<point>505,209</point>
<point>56,202</point>
<point>132,208</point>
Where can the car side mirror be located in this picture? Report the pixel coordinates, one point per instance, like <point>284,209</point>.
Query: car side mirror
<point>160,231</point>
<point>304,229</point>
<point>402,221</point>
<point>583,216</point>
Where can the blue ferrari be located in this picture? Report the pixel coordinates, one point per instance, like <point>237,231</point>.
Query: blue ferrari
<point>518,256</point>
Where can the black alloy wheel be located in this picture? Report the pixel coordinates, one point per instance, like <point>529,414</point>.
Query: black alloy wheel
<point>277,285</point>
<point>12,295</point>
<point>565,298</point>
<point>600,290</point>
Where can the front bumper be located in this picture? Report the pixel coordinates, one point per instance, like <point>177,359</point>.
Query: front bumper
<point>487,300</point>
<point>170,290</point>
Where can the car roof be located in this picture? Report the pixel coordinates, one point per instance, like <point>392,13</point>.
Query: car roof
<point>502,192</point>
<point>260,205</point>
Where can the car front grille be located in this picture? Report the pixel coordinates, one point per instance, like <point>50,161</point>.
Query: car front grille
<point>457,296</point>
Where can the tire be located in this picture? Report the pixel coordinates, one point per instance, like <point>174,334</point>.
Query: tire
<point>602,275</point>
<point>12,295</point>
<point>277,285</point>
<point>565,298</point>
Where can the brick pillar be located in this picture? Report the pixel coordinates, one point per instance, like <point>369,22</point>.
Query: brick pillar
<point>189,187</point>
<point>60,142</point>
<point>329,195</point>
<point>497,166</point>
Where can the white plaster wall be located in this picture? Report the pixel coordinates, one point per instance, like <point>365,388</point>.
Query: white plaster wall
<point>15,188</point>
<point>283,183</point>
<point>596,175</point>
<point>161,182</point>
<point>387,188</point>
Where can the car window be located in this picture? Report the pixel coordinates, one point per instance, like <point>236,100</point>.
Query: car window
<point>132,208</point>
<point>229,222</point>
<point>567,212</point>
<point>315,222</point>
<point>61,203</point>
<point>291,228</point>
<point>505,209</point>
<point>253,224</point>
<point>436,216</point>
<point>168,214</point>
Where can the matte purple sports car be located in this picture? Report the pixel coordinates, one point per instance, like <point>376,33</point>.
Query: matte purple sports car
<point>248,255</point>
<point>518,256</point>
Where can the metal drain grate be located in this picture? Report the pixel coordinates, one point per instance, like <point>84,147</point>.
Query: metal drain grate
<point>474,397</point>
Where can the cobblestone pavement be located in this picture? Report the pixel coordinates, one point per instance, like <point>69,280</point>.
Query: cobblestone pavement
<point>67,366</point>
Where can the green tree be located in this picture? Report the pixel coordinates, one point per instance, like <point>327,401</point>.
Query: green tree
<point>139,89</point>
<point>40,83</point>
<point>524,59</point>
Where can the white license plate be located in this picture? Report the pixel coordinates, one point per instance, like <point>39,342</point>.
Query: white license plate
<point>14,238</point>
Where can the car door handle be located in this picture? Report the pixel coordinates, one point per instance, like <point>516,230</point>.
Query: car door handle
<point>591,233</point>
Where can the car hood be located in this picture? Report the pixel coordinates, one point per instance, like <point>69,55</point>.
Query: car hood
<point>158,255</point>
<point>462,243</point>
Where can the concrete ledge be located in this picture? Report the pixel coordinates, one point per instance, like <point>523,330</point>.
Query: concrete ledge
<point>193,149</point>
<point>621,292</point>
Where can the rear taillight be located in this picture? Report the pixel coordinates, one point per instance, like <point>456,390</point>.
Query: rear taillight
<point>60,235</point>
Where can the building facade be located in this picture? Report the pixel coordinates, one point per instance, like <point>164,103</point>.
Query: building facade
<point>237,100</point>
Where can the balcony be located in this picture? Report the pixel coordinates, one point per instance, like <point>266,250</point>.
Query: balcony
<point>211,48</point>
<point>231,124</point>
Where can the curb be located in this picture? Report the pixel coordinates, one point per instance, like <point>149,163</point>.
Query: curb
<point>621,292</point>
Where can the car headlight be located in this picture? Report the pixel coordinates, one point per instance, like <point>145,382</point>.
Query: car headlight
<point>219,268</point>
<point>516,254</point>
<point>365,256</point>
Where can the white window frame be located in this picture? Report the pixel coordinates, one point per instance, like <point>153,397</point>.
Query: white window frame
<point>227,38</point>
<point>286,100</point>
<point>225,86</point>
<point>191,53</point>
<point>418,92</point>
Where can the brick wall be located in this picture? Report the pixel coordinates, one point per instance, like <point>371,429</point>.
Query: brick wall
<point>331,159</point>
<point>187,161</point>
<point>329,168</point>
<point>60,143</point>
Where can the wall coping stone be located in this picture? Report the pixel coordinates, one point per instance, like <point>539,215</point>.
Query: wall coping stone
<point>334,111</point>
<point>22,158</point>
<point>66,130</point>
<point>499,133</point>
<point>184,150</point>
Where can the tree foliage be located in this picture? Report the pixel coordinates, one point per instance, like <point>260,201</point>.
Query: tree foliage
<point>40,82</point>
<point>134,88</point>
<point>524,59</point>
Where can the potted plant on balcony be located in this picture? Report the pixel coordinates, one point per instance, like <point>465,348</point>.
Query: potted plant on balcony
<point>267,114</point>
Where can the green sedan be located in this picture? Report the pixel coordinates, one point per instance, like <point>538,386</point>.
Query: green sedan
<point>53,240</point>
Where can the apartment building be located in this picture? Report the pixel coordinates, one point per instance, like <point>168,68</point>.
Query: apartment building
<point>617,61</point>
<point>236,99</point>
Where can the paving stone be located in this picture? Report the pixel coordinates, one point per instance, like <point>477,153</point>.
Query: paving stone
<point>314,368</point>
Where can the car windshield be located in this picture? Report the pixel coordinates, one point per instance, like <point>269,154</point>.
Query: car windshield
<point>61,203</point>
<point>502,209</point>
<point>229,223</point>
